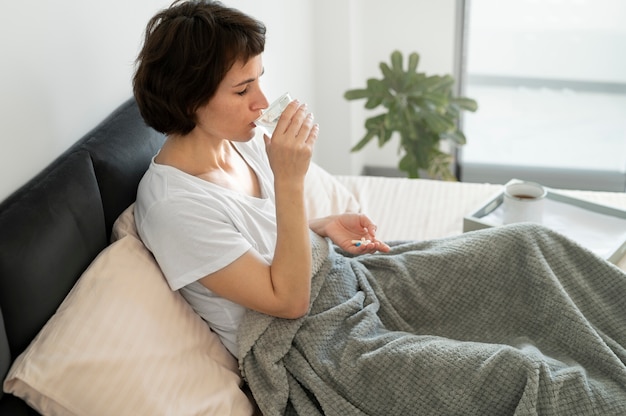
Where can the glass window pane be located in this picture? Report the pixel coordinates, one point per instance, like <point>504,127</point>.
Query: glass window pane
<point>550,80</point>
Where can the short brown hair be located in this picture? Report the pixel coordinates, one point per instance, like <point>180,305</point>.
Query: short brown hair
<point>187,51</point>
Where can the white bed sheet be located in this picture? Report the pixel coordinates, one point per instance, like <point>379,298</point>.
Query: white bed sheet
<point>421,209</point>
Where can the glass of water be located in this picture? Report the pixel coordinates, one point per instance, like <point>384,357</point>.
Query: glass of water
<point>269,118</point>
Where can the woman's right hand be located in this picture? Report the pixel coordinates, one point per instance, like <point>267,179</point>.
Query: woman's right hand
<point>291,146</point>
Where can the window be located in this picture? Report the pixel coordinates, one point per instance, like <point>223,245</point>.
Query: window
<point>550,80</point>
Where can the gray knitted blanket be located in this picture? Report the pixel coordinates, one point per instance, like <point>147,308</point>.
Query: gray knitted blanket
<point>514,320</point>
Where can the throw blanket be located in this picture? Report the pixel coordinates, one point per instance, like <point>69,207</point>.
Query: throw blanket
<point>513,320</point>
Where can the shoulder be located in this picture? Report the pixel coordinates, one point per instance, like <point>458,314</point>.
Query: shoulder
<point>168,204</point>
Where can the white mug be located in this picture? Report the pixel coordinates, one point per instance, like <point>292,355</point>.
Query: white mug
<point>523,202</point>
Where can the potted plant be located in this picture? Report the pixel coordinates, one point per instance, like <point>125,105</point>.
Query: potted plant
<point>421,108</point>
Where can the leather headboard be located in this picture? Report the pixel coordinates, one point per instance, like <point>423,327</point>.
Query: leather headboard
<point>55,225</point>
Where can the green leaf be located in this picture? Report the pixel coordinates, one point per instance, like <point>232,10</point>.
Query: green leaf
<point>413,61</point>
<point>439,84</point>
<point>356,94</point>
<point>455,136</point>
<point>438,123</point>
<point>439,166</point>
<point>373,102</point>
<point>365,140</point>
<point>409,165</point>
<point>387,72</point>
<point>376,126</point>
<point>375,122</point>
<point>384,137</point>
<point>418,149</point>
<point>409,118</point>
<point>465,103</point>
<point>396,62</point>
<point>437,100</point>
<point>376,86</point>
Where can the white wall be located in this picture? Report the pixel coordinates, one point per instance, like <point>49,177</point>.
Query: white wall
<point>352,38</point>
<point>66,64</point>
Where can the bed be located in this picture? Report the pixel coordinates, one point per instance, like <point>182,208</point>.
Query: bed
<point>88,324</point>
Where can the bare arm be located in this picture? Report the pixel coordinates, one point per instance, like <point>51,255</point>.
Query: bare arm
<point>283,288</point>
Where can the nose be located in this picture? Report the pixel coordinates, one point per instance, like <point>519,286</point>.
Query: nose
<point>263,103</point>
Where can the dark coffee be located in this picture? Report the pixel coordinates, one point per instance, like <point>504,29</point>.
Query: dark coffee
<point>525,196</point>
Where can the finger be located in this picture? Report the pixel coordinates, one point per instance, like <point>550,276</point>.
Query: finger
<point>313,134</point>
<point>368,226</point>
<point>374,246</point>
<point>284,120</point>
<point>382,246</point>
<point>372,228</point>
<point>306,127</point>
<point>299,120</point>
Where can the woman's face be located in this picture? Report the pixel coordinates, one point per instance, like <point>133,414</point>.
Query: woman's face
<point>238,101</point>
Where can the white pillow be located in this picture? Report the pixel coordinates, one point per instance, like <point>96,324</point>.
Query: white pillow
<point>122,343</point>
<point>325,195</point>
<point>125,225</point>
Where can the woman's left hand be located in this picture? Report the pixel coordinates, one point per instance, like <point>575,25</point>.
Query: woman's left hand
<point>354,233</point>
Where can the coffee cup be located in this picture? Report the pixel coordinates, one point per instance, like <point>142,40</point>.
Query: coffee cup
<point>523,202</point>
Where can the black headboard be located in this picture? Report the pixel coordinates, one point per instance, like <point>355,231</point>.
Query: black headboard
<point>55,225</point>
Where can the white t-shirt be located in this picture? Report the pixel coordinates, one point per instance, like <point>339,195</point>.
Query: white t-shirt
<point>194,228</point>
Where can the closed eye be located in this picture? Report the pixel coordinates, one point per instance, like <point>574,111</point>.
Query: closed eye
<point>246,83</point>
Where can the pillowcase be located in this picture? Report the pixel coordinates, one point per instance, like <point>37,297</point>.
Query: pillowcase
<point>124,225</point>
<point>123,343</point>
<point>325,195</point>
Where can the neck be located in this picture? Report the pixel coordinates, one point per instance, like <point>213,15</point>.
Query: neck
<point>196,155</point>
<point>217,162</point>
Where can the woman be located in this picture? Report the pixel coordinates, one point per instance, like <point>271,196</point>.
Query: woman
<point>510,320</point>
<point>228,228</point>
